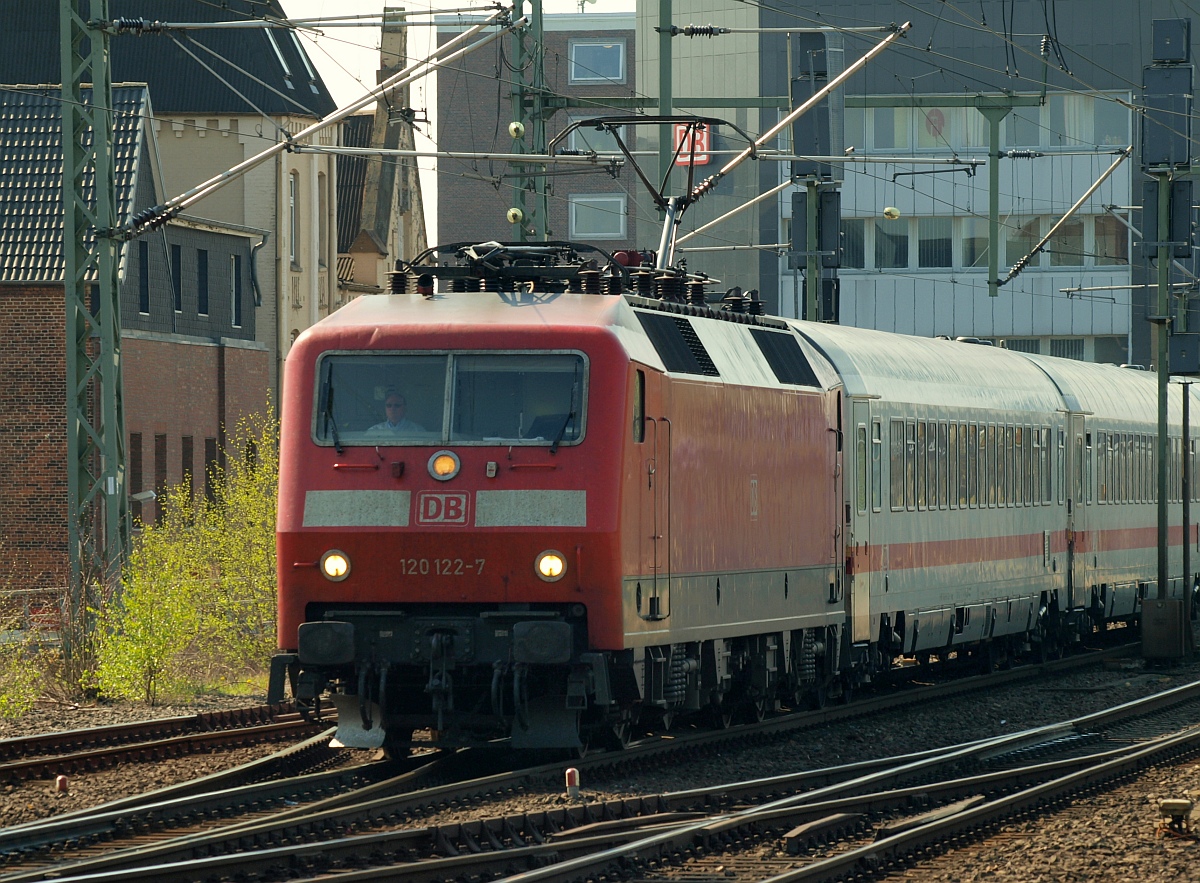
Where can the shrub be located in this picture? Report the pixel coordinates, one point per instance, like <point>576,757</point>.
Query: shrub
<point>197,606</point>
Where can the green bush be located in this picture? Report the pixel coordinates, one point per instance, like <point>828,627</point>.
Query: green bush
<point>197,608</point>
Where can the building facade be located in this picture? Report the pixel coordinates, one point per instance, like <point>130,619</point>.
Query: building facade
<point>1076,78</point>
<point>587,60</point>
<point>192,366</point>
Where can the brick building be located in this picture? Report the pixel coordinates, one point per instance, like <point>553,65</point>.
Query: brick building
<point>191,363</point>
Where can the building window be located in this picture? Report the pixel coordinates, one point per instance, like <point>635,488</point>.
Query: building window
<point>892,125</point>
<point>1071,119</point>
<point>590,138</point>
<point>187,464</point>
<point>891,244</point>
<point>938,127</point>
<point>322,212</point>
<point>293,217</point>
<point>160,475</point>
<point>853,253</point>
<point>1024,127</point>
<point>1023,344</point>
<point>1066,248</point>
<point>598,216</point>
<point>210,469</point>
<point>1112,241</point>
<point>1111,123</point>
<point>1020,236</point>
<point>177,276</point>
<point>235,289</point>
<point>597,61</point>
<point>135,474</point>
<point>974,242</point>
<point>934,242</point>
<point>201,282</point>
<point>144,277</point>
<point>1067,347</point>
<point>855,123</point>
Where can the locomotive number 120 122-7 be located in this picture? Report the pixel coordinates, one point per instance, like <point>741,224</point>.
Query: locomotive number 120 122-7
<point>440,566</point>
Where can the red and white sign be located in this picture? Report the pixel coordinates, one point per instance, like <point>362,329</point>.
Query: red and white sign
<point>701,142</point>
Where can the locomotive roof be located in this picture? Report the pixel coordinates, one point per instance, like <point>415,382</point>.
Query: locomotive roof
<point>930,371</point>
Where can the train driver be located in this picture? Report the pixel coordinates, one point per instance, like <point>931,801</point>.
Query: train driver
<point>395,406</point>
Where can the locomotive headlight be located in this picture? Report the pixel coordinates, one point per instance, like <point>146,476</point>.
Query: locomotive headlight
<point>550,566</point>
<point>335,565</point>
<point>444,465</point>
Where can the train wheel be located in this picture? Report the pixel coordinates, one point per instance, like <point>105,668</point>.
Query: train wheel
<point>721,717</point>
<point>818,696</point>
<point>756,710</point>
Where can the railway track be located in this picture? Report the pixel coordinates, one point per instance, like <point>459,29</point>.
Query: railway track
<point>87,750</point>
<point>337,832</point>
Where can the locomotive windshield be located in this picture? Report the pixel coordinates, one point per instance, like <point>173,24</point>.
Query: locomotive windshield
<point>440,398</point>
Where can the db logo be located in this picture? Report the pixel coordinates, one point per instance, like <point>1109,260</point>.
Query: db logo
<point>441,508</point>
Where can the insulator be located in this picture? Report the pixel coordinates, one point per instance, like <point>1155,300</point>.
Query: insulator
<point>668,287</point>
<point>734,302</point>
<point>459,284</point>
<point>702,31</point>
<point>754,306</point>
<point>695,292</point>
<point>612,283</point>
<point>575,284</point>
<point>643,283</point>
<point>399,282</point>
<point>1024,154</point>
<point>489,283</point>
<point>589,280</point>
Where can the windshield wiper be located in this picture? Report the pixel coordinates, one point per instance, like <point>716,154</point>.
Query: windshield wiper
<point>330,422</point>
<point>562,430</point>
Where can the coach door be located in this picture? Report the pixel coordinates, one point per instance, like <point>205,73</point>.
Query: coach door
<point>1077,474</point>
<point>655,594</point>
<point>863,486</point>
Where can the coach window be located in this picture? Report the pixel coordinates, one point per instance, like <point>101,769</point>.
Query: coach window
<point>952,466</point>
<point>910,466</point>
<point>922,462</point>
<point>1087,468</point>
<point>876,465</point>
<point>639,406</point>
<point>973,458</point>
<point>989,464</point>
<point>943,465</point>
<point>896,466</point>
<point>1047,467</point>
<point>964,467</point>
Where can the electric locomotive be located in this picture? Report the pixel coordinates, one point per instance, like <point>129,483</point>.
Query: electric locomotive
<point>566,537</point>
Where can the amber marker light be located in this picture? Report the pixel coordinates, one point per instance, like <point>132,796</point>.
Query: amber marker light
<point>444,465</point>
<point>550,566</point>
<point>335,565</point>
